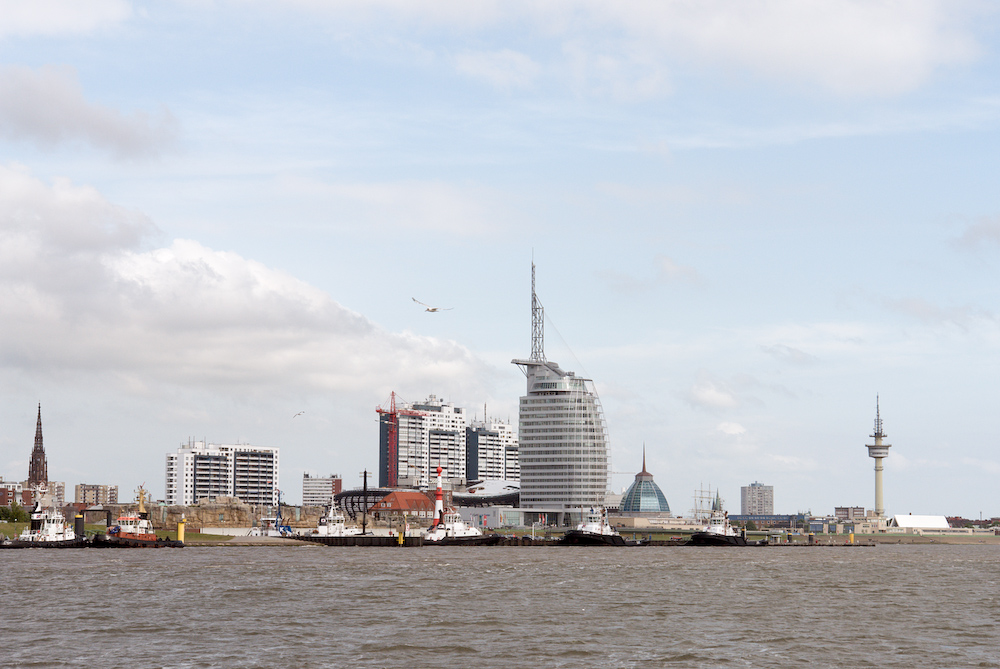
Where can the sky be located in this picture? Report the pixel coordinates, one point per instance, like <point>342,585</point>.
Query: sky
<point>749,220</point>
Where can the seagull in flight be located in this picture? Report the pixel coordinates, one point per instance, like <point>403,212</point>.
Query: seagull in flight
<point>298,414</point>
<point>429,307</point>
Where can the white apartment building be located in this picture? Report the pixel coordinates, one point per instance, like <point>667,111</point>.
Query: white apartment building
<point>491,451</point>
<point>319,490</point>
<point>757,499</point>
<point>428,434</point>
<point>199,470</point>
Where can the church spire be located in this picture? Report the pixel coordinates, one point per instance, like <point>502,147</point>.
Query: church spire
<point>38,470</point>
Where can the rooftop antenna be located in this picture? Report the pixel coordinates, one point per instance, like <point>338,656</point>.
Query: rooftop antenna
<point>537,323</point>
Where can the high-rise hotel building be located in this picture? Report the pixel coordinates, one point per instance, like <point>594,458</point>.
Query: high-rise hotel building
<point>561,432</point>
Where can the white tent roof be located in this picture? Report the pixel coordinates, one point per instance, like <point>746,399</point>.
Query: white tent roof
<point>920,522</point>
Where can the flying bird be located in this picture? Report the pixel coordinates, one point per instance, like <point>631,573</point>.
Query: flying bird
<point>429,307</point>
<point>298,414</point>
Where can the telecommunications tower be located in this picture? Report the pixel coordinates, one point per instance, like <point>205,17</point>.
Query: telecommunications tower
<point>878,450</point>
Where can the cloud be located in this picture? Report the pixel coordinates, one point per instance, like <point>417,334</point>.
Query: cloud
<point>665,271</point>
<point>632,49</point>
<point>712,394</point>
<point>59,17</point>
<point>81,295</point>
<point>928,312</point>
<point>848,48</point>
<point>732,429</point>
<point>503,69</point>
<point>47,107</point>
<point>436,206</point>
<point>789,354</point>
<point>984,232</point>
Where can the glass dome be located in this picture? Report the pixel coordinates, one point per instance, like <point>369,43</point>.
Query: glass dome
<point>644,496</point>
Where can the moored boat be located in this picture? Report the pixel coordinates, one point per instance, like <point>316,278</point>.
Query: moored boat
<point>595,530</point>
<point>133,529</point>
<point>334,524</point>
<point>448,528</point>
<point>719,532</point>
<point>48,529</point>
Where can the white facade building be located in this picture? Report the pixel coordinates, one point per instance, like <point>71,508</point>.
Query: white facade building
<point>491,452</point>
<point>757,499</point>
<point>561,432</point>
<point>429,434</point>
<point>319,490</point>
<point>199,470</point>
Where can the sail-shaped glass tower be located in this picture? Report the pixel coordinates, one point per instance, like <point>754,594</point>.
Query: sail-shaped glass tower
<point>561,431</point>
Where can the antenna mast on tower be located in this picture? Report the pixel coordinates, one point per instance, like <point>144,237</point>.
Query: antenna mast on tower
<point>537,323</point>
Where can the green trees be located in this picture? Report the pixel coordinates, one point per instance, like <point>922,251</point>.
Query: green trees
<point>15,513</point>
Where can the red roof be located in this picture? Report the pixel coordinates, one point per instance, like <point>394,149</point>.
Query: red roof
<point>404,501</point>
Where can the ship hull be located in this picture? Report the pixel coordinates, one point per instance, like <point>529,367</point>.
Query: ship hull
<point>102,541</point>
<point>711,539</point>
<point>583,538</point>
<point>78,542</point>
<point>487,540</point>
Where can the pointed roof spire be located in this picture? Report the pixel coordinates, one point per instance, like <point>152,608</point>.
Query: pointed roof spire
<point>644,458</point>
<point>38,469</point>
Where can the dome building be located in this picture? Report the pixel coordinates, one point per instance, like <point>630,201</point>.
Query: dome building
<point>644,496</point>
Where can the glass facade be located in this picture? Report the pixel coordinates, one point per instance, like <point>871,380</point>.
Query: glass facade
<point>562,440</point>
<point>644,496</point>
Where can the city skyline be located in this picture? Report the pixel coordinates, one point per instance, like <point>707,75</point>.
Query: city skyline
<point>748,221</point>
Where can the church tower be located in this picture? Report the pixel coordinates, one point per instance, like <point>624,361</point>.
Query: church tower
<point>38,470</point>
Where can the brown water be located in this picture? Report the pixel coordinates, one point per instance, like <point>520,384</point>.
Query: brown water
<point>317,606</point>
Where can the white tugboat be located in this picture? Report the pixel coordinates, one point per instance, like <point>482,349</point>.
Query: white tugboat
<point>48,529</point>
<point>719,532</point>
<point>334,524</point>
<point>595,530</point>
<point>448,528</point>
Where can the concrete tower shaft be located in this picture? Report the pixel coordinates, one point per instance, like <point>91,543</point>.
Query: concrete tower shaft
<point>878,450</point>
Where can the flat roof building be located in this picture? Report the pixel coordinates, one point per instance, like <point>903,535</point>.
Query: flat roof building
<point>757,499</point>
<point>199,471</point>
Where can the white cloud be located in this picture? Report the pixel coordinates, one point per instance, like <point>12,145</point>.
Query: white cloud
<point>503,69</point>
<point>59,17</point>
<point>732,429</point>
<point>47,106</point>
<point>850,48</point>
<point>789,354</point>
<point>665,271</point>
<point>185,315</point>
<point>712,394</point>
<point>629,49</point>
<point>986,231</point>
<point>408,205</point>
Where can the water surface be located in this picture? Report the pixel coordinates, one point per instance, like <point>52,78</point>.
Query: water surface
<point>319,606</point>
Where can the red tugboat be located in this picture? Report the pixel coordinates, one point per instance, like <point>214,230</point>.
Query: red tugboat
<point>133,530</point>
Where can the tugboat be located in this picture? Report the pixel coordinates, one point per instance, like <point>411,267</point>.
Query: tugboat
<point>595,530</point>
<point>334,524</point>
<point>48,529</point>
<point>133,530</point>
<point>448,528</point>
